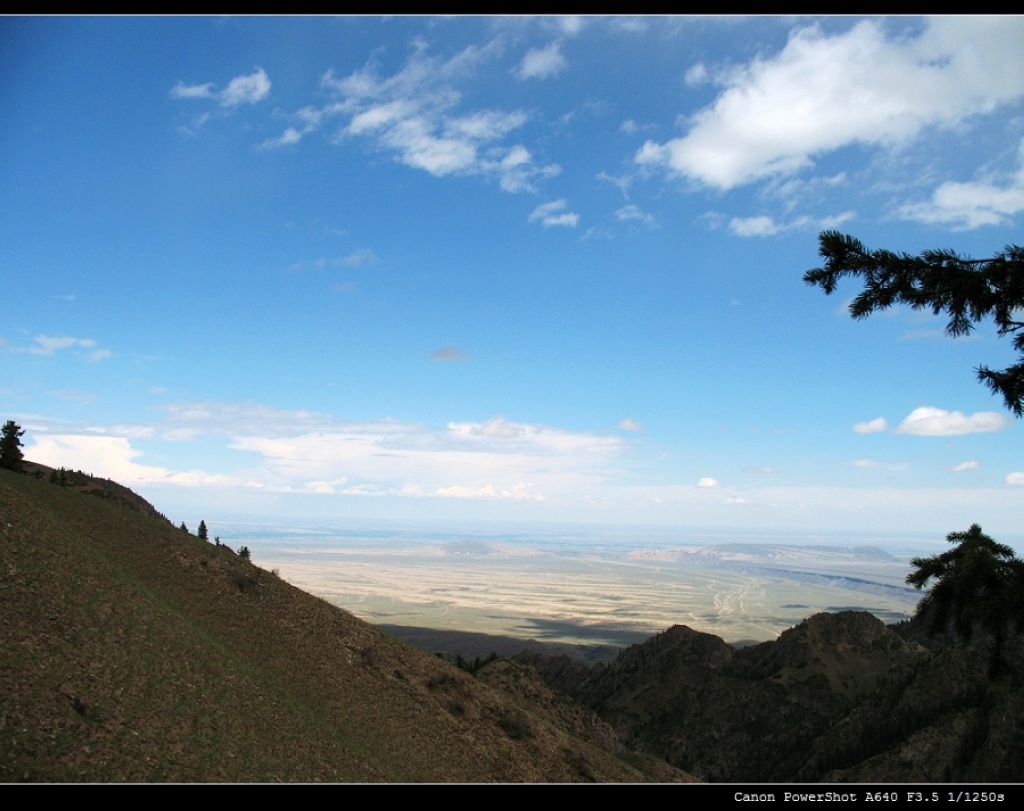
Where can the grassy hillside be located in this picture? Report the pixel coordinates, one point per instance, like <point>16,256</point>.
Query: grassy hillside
<point>132,651</point>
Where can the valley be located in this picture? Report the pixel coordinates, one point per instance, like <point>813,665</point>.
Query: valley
<point>572,589</point>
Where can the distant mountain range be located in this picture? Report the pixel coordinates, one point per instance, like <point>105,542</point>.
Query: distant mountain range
<point>131,650</point>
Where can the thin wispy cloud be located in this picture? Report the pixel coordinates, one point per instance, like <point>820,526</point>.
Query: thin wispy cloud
<point>765,226</point>
<point>417,115</point>
<point>449,354</point>
<point>249,88</point>
<point>87,348</point>
<point>554,213</point>
<point>633,213</point>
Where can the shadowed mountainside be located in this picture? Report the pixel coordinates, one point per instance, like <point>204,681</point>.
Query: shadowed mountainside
<point>840,697</point>
<point>133,651</point>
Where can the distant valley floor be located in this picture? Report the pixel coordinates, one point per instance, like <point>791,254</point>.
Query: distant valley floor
<point>588,595</point>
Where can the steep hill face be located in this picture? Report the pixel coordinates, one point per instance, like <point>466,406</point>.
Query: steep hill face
<point>840,697</point>
<point>132,651</point>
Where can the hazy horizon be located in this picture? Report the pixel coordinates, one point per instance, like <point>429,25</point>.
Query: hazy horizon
<point>586,585</point>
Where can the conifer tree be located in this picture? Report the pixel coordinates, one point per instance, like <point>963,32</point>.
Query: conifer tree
<point>11,457</point>
<point>967,290</point>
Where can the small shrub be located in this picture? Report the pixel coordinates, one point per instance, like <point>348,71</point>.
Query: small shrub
<point>516,726</point>
<point>243,552</point>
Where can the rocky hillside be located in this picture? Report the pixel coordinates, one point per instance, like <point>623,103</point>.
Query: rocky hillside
<point>133,651</point>
<point>840,697</point>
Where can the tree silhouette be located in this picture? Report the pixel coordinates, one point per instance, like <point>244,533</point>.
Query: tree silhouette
<point>977,587</point>
<point>967,290</point>
<point>11,457</point>
<point>201,532</point>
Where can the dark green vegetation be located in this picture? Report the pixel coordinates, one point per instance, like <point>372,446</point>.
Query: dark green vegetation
<point>967,290</point>
<point>978,586</point>
<point>11,457</point>
<point>131,651</point>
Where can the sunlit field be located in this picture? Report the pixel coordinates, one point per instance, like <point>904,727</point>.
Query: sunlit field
<point>597,590</point>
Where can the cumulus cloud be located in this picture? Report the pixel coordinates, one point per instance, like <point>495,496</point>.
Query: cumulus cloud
<point>542,63</point>
<point>307,451</point>
<point>874,426</point>
<point>970,464</point>
<point>629,424</point>
<point>553,213</point>
<point>1016,477</point>
<point>709,482</point>
<point>929,421</point>
<point>110,457</point>
<point>823,92</point>
<point>248,89</point>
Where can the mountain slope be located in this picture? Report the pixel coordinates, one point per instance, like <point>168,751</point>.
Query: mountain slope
<point>840,697</point>
<point>133,651</point>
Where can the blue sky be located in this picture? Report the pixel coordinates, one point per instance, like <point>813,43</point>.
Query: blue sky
<point>507,268</point>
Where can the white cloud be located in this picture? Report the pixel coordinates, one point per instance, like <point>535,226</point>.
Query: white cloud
<point>964,206</point>
<point>753,226</point>
<point>764,226</point>
<point>697,75</point>
<point>245,89</point>
<point>708,482</point>
<point>110,457</point>
<point>305,451</point>
<point>629,424</point>
<point>248,89</point>
<point>823,92</point>
<point>874,463</point>
<point>929,421</point>
<point>287,138</point>
<point>1015,478</point>
<point>358,258</point>
<point>50,344</point>
<point>970,464</point>
<point>552,214</point>
<point>872,426</point>
<point>542,63</point>
<point>633,212</point>
<point>195,91</point>
<point>518,492</point>
<point>414,114</point>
